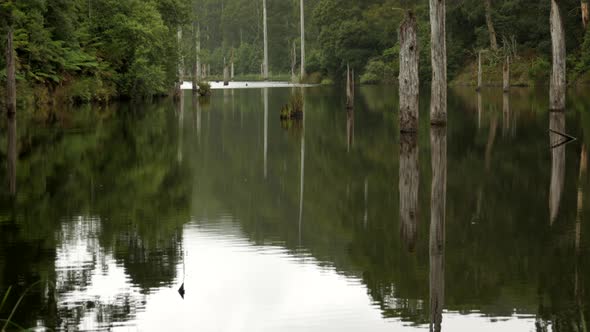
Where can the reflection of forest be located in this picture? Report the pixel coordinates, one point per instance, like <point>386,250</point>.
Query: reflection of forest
<point>122,167</point>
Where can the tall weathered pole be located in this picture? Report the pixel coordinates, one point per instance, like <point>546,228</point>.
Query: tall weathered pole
<point>265,65</point>
<point>302,39</point>
<point>558,80</point>
<point>479,73</point>
<point>10,74</point>
<point>409,81</point>
<point>438,97</point>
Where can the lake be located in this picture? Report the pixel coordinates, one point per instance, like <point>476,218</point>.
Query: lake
<point>331,223</point>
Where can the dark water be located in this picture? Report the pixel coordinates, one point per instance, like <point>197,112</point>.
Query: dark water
<point>297,227</point>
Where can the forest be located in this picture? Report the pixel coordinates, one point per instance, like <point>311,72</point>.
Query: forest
<point>97,50</point>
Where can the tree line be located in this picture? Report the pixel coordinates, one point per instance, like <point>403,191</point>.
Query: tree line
<point>100,49</point>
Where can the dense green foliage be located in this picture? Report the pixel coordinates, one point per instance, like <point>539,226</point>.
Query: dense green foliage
<point>98,49</point>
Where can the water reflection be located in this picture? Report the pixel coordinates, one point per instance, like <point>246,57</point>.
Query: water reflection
<point>349,128</point>
<point>438,143</point>
<point>11,153</point>
<point>506,116</point>
<point>556,124</point>
<point>409,182</point>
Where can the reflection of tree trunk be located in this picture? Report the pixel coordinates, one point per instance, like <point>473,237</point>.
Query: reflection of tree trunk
<point>10,74</point>
<point>265,130</point>
<point>408,74</point>
<point>557,123</point>
<point>505,114</point>
<point>302,169</point>
<point>366,217</point>
<point>349,129</point>
<point>558,79</point>
<point>438,141</point>
<point>580,206</point>
<point>490,24</point>
<point>180,124</point>
<point>479,110</point>
<point>197,110</point>
<point>11,154</point>
<point>438,99</point>
<point>488,161</point>
<point>409,182</point>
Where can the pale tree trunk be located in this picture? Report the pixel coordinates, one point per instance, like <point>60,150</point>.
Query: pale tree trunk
<point>438,100</point>
<point>479,73</point>
<point>265,67</point>
<point>506,74</point>
<point>180,64</point>
<point>196,65</point>
<point>556,123</point>
<point>490,24</point>
<point>438,143</point>
<point>231,76</point>
<point>409,81</point>
<point>558,79</point>
<point>293,63</point>
<point>225,74</point>
<point>349,88</point>
<point>302,40</point>
<point>10,74</point>
<point>409,182</point>
<point>11,153</point>
<point>585,14</point>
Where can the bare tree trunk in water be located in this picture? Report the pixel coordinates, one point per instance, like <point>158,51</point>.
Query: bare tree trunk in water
<point>225,74</point>
<point>409,82</point>
<point>506,74</point>
<point>10,74</point>
<point>490,24</point>
<point>585,14</point>
<point>438,100</point>
<point>302,14</point>
<point>180,64</point>
<point>265,69</point>
<point>409,182</point>
<point>438,142</point>
<point>558,79</point>
<point>231,75</point>
<point>557,123</point>
<point>196,58</point>
<point>11,153</point>
<point>479,73</point>
<point>349,88</point>
<point>293,63</point>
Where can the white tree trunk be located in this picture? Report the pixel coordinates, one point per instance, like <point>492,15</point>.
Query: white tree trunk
<point>479,72</point>
<point>302,40</point>
<point>265,67</point>
<point>438,100</point>
<point>585,14</point>
<point>293,63</point>
<point>409,82</point>
<point>349,88</point>
<point>558,79</point>
<point>490,24</point>
<point>10,74</point>
<point>506,74</point>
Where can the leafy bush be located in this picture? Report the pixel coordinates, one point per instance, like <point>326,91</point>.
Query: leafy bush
<point>540,69</point>
<point>204,89</point>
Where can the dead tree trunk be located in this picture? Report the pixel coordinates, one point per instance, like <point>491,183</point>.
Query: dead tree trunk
<point>409,182</point>
<point>506,74</point>
<point>231,75</point>
<point>196,65</point>
<point>558,79</point>
<point>438,100</point>
<point>438,142</point>
<point>10,74</point>
<point>409,82</point>
<point>225,74</point>
<point>349,88</point>
<point>265,69</point>
<point>479,73</point>
<point>302,40</point>
<point>490,24</point>
<point>293,63</point>
<point>585,14</point>
<point>179,65</point>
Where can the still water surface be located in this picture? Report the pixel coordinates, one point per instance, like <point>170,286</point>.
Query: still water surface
<point>333,224</point>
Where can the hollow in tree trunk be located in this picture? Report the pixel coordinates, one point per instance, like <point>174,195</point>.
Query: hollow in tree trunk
<point>10,74</point>
<point>558,79</point>
<point>490,24</point>
<point>409,81</point>
<point>438,99</point>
